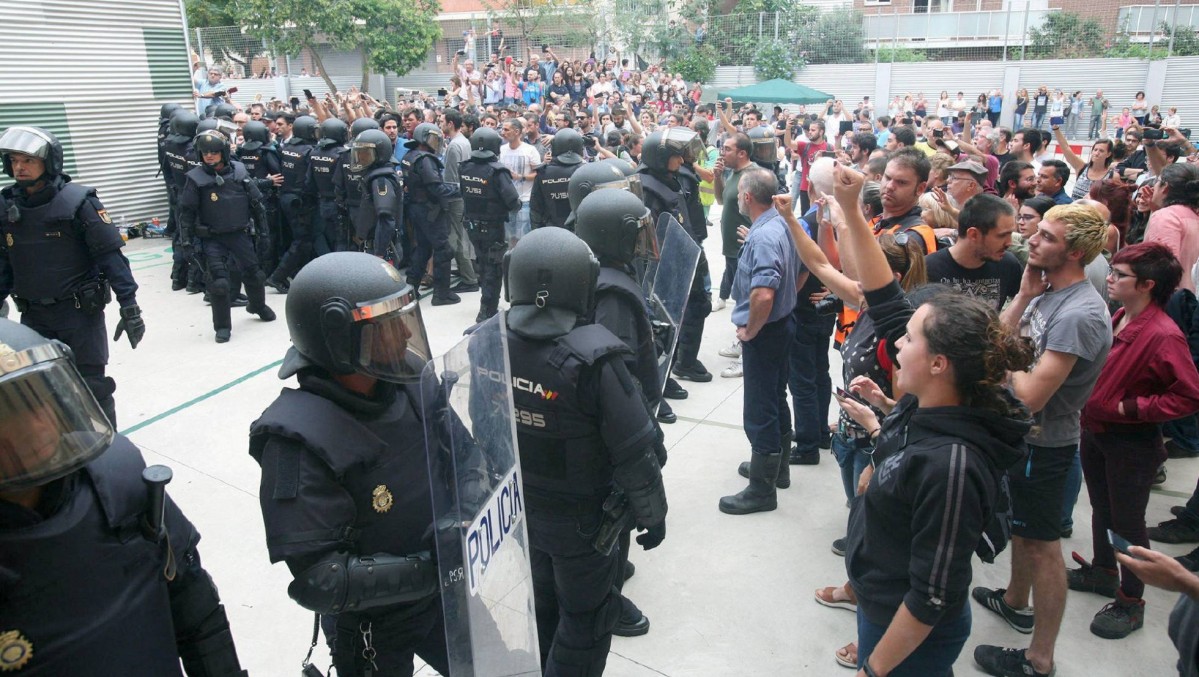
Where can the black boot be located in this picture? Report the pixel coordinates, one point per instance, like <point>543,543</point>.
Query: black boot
<point>760,495</point>
<point>784,478</point>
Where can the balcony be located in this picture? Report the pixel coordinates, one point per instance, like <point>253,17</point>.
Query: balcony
<point>951,29</point>
<point>1140,21</point>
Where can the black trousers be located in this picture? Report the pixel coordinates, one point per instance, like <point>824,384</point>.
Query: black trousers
<point>432,241</point>
<point>397,636</point>
<point>219,252</point>
<point>87,336</point>
<point>299,251</point>
<point>490,246</point>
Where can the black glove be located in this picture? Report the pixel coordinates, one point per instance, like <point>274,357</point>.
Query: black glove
<point>131,322</point>
<point>653,536</point>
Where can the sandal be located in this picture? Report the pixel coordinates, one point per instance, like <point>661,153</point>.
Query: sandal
<point>847,656</point>
<point>835,597</point>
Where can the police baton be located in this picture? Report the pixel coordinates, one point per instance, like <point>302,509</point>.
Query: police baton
<point>156,478</point>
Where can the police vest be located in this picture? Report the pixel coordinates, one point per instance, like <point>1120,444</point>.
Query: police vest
<point>618,287</point>
<point>384,197</point>
<point>561,449</point>
<point>554,180</point>
<point>348,184</point>
<point>322,162</point>
<point>89,594</point>
<point>180,158</point>
<point>662,199</point>
<point>414,187</point>
<point>46,246</point>
<point>380,462</point>
<point>258,161</point>
<point>481,200</point>
<point>295,166</point>
<point>225,207</point>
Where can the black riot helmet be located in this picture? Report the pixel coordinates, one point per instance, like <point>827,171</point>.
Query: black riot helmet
<point>664,144</point>
<point>35,142</point>
<point>334,132</point>
<point>167,110</point>
<point>370,149</point>
<point>184,125</point>
<point>567,147</point>
<point>593,176</point>
<point>224,111</point>
<point>212,141</point>
<point>304,128</point>
<point>50,423</point>
<point>206,125</point>
<point>617,226</point>
<point>255,135</point>
<point>765,145</point>
<point>361,125</point>
<point>426,134</point>
<point>350,312</point>
<point>485,144</point>
<point>549,279</point>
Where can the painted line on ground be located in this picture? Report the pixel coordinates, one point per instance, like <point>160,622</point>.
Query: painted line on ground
<point>192,402</point>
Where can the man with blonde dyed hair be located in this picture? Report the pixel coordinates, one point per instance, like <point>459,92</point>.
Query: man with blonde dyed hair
<point>1069,324</point>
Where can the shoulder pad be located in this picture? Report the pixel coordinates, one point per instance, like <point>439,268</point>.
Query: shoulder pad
<point>76,193</point>
<point>117,476</point>
<point>499,167</point>
<point>320,426</point>
<point>591,342</point>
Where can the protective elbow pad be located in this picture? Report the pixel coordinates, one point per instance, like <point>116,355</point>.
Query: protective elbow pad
<point>351,583</point>
<point>641,480</point>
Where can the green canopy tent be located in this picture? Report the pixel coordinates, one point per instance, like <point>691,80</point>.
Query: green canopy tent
<point>775,91</point>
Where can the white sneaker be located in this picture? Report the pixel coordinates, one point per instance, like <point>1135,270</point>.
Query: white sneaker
<point>718,304</point>
<point>733,371</point>
<point>733,351</point>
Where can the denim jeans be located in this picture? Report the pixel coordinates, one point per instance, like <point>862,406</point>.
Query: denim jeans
<point>809,382</point>
<point>853,455</point>
<point>726,281</point>
<point>935,655</point>
<point>765,415</point>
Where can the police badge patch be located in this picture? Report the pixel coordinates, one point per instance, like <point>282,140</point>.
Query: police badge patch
<point>8,239</point>
<point>212,196</point>
<point>103,216</point>
<point>15,651</point>
<point>381,499</point>
<point>382,188</point>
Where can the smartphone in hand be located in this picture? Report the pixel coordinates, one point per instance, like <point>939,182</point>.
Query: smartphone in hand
<point>846,395</point>
<point>308,94</point>
<point>1120,543</point>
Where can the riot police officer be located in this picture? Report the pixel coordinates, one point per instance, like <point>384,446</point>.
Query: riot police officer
<point>295,203</point>
<point>764,153</point>
<point>582,477</point>
<point>549,204</point>
<point>347,190</point>
<point>489,196</point>
<point>426,196</point>
<point>671,188</point>
<point>345,490</point>
<point>261,157</point>
<point>101,576</point>
<point>379,218</point>
<point>164,130</point>
<point>329,221</point>
<point>179,158</point>
<point>221,205</point>
<point>60,258</point>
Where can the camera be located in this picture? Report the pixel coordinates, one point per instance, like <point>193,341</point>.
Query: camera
<point>829,305</point>
<point>1151,134</point>
<point>938,133</point>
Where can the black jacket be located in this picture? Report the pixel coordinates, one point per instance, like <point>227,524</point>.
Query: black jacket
<point>936,480</point>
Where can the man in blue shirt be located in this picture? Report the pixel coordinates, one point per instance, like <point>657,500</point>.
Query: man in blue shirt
<point>764,291</point>
<point>1051,181</point>
<point>210,92</point>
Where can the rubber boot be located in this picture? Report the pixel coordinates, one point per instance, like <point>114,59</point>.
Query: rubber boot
<point>784,478</point>
<point>760,495</point>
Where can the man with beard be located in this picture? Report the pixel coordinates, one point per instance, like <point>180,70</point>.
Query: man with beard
<point>903,182</point>
<point>1017,181</point>
<point>979,264</point>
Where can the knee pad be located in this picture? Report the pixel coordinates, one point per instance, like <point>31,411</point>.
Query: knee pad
<point>219,286</point>
<point>595,624</point>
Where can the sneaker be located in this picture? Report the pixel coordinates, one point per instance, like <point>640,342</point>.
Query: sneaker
<point>1160,478</point>
<point>1189,561</point>
<point>733,351</point>
<point>996,660</point>
<point>1176,450</point>
<point>464,288</point>
<point>839,547</point>
<point>1090,578</point>
<point>719,304</point>
<point>280,287</point>
<point>1021,620</point>
<point>239,301</point>
<point>734,370</point>
<point>265,314</point>
<point>1177,510</point>
<point>797,457</point>
<point>447,299</point>
<point>695,372</point>
<point>1120,618</point>
<point>1177,530</point>
<point>673,391</point>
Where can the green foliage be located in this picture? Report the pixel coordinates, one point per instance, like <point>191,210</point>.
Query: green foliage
<point>696,64</point>
<point>777,59</point>
<point>901,55</point>
<point>836,38</point>
<point>1065,35</point>
<point>743,32</point>
<point>391,35</point>
<point>209,13</point>
<point>1186,39</point>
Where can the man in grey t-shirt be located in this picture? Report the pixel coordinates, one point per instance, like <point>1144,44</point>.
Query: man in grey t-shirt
<point>1069,325</point>
<point>456,152</point>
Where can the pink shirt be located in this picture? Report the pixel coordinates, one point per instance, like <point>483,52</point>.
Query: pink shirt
<point>1177,227</point>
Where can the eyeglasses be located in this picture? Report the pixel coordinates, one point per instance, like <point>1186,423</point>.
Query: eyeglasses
<point>1118,275</point>
<point>1026,217</point>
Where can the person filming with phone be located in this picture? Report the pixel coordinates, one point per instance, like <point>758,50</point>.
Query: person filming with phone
<point>209,92</point>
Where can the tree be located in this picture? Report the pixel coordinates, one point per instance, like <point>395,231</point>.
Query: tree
<point>776,59</point>
<point>390,35</point>
<point>529,17</point>
<point>695,64</point>
<point>226,41</point>
<point>1066,35</point>
<point>836,37</point>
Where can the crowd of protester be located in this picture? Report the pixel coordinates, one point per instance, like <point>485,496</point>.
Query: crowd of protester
<point>1040,301</point>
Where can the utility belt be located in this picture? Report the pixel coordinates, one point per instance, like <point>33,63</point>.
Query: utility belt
<point>484,228</point>
<point>203,231</point>
<point>90,297</point>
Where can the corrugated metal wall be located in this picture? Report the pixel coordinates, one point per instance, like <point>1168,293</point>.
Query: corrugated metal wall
<point>969,77</point>
<point>95,73</point>
<point>1182,90</point>
<point>1120,80</point>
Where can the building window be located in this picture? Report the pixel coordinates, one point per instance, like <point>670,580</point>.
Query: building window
<point>931,6</point>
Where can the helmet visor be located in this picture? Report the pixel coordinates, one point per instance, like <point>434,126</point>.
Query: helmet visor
<point>629,183</point>
<point>392,344</point>
<point>50,423</point>
<point>765,150</point>
<point>433,141</point>
<point>685,142</point>
<point>647,239</point>
<point>25,140</point>
<point>362,156</point>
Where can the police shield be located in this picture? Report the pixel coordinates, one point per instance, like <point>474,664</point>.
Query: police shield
<point>479,508</point>
<point>667,286</point>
